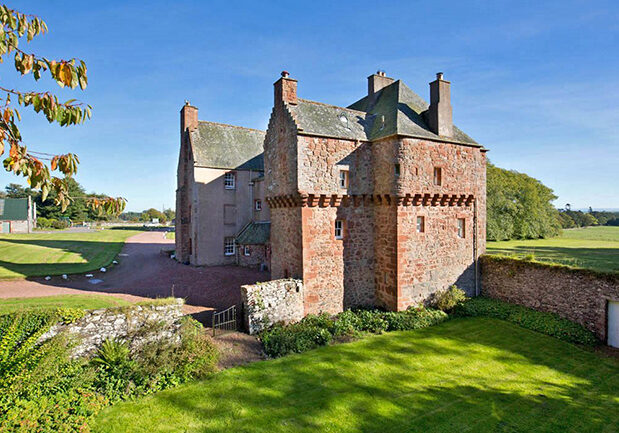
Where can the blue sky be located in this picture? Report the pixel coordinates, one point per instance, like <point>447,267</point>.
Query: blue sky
<point>535,82</point>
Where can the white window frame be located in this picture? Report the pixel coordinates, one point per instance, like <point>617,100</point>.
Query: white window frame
<point>246,251</point>
<point>461,224</point>
<point>338,229</point>
<point>421,224</point>
<point>344,179</point>
<point>229,246</point>
<point>258,204</point>
<point>230,180</point>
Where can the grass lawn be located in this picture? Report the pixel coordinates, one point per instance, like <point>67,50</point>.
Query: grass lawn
<point>170,235</point>
<point>475,375</point>
<point>85,302</point>
<point>40,254</point>
<point>594,248</point>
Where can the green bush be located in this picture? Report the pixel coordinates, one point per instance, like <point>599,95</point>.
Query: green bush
<point>446,300</point>
<point>414,318</point>
<point>314,331</point>
<point>545,323</point>
<point>43,389</point>
<point>298,337</point>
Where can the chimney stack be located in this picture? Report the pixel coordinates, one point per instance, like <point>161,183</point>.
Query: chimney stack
<point>189,118</point>
<point>376,82</point>
<point>440,116</point>
<point>286,89</point>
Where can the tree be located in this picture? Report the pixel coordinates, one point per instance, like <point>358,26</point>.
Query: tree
<point>519,206</point>
<point>152,213</point>
<point>14,190</point>
<point>14,26</point>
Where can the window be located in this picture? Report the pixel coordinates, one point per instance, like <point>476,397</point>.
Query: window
<point>246,251</point>
<point>229,246</point>
<point>258,204</point>
<point>421,224</point>
<point>438,176</point>
<point>339,229</point>
<point>461,228</point>
<point>230,180</point>
<point>396,169</point>
<point>343,178</point>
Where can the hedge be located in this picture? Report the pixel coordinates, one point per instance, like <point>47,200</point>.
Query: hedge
<point>545,323</point>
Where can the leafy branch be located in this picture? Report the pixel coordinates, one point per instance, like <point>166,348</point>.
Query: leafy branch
<point>71,73</point>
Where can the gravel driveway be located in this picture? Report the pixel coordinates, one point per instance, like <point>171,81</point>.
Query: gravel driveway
<point>143,271</point>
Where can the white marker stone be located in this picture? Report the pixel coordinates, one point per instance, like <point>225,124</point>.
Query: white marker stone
<point>103,270</point>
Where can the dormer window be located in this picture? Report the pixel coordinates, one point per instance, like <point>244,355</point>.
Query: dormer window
<point>343,179</point>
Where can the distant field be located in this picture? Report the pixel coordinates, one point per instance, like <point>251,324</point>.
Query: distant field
<point>86,302</point>
<point>40,254</point>
<point>594,248</point>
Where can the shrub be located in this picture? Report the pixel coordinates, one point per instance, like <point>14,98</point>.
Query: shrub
<point>414,318</point>
<point>60,224</point>
<point>545,323</point>
<point>299,337</point>
<point>446,300</point>
<point>314,331</point>
<point>43,389</point>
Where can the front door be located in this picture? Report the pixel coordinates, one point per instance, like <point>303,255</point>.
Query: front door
<point>613,323</point>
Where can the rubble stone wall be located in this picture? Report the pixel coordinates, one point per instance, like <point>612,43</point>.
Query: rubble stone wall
<point>136,324</point>
<point>265,304</point>
<point>577,295</point>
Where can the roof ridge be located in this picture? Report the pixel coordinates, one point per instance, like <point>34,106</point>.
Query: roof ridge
<point>332,106</point>
<point>231,126</point>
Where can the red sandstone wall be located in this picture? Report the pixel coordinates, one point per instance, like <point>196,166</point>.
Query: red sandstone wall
<point>286,243</point>
<point>410,266</point>
<point>338,273</point>
<point>579,296</point>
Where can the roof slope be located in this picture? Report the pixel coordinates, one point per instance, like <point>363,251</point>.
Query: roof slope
<point>403,112</point>
<point>254,233</point>
<point>15,209</point>
<point>225,146</point>
<point>396,110</point>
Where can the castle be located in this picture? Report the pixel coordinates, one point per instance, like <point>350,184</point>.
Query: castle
<point>380,203</point>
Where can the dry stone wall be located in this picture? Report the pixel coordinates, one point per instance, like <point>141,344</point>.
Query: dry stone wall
<point>135,324</point>
<point>273,301</point>
<point>579,296</point>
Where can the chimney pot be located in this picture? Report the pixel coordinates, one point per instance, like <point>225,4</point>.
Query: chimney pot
<point>286,89</point>
<point>439,75</point>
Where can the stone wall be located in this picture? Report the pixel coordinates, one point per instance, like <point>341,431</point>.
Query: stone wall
<point>579,296</point>
<point>136,324</point>
<point>256,257</point>
<point>270,302</point>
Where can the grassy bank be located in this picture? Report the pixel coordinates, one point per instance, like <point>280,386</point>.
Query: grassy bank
<point>474,374</point>
<point>595,248</point>
<point>40,254</point>
<point>84,302</point>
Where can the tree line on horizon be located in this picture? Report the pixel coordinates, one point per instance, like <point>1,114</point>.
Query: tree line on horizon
<point>520,207</point>
<point>49,214</point>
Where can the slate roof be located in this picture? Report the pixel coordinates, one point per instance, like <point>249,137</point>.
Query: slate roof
<point>14,209</point>
<point>217,145</point>
<point>254,233</point>
<point>396,109</point>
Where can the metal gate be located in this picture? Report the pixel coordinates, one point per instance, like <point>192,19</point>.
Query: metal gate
<point>225,321</point>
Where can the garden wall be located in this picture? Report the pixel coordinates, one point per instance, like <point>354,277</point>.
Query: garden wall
<point>577,295</point>
<point>270,302</point>
<point>137,324</point>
